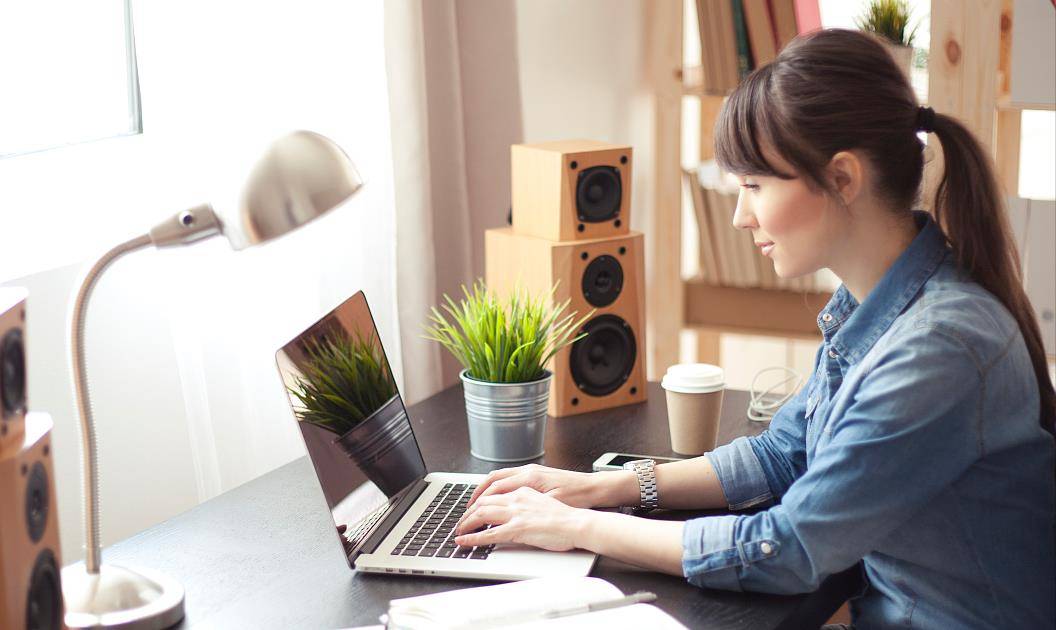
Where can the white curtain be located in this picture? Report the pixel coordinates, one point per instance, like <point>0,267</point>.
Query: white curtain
<point>455,107</point>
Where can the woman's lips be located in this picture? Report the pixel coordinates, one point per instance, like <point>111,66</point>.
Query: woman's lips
<point>766,246</point>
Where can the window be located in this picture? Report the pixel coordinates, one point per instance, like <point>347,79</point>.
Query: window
<point>68,71</point>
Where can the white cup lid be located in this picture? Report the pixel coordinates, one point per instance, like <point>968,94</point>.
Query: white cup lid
<point>694,378</point>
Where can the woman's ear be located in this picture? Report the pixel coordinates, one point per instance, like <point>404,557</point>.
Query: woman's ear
<point>847,175</point>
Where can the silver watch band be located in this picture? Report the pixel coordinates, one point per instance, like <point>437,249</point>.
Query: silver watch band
<point>646,473</point>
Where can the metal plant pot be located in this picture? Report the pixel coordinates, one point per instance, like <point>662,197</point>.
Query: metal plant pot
<point>507,421</point>
<point>384,448</point>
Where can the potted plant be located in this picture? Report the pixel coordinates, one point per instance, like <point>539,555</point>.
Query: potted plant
<point>345,387</point>
<point>889,19</point>
<point>504,347</point>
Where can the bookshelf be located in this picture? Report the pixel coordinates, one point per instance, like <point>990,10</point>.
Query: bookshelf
<point>969,66</point>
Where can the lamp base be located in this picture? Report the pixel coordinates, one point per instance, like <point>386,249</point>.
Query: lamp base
<point>120,598</point>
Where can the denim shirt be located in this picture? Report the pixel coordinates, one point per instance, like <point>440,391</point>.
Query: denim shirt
<point>914,446</point>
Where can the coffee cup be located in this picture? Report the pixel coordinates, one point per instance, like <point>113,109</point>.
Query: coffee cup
<point>694,405</point>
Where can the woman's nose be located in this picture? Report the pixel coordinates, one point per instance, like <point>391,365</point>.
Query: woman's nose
<point>743,218</point>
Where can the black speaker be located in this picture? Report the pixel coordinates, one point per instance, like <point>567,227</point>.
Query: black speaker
<point>599,194</point>
<point>603,361</point>
<point>602,281</point>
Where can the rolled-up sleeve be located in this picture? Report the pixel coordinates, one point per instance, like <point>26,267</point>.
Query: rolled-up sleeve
<point>889,453</point>
<point>757,470</point>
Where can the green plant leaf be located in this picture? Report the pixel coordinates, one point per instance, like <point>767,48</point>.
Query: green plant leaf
<point>505,341</point>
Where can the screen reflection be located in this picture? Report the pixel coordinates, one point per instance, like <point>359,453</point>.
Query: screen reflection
<point>350,414</point>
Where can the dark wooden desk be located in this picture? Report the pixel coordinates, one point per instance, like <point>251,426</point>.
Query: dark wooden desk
<point>264,554</point>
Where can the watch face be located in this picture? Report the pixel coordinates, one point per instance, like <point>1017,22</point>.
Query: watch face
<point>631,465</point>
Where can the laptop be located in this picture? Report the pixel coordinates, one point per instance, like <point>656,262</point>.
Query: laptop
<point>391,514</point>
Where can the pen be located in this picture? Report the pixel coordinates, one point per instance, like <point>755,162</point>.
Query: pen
<point>629,600</point>
<point>522,616</point>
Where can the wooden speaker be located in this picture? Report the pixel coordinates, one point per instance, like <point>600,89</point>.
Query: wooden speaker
<point>12,369</point>
<point>571,189</point>
<point>30,593</point>
<point>605,369</point>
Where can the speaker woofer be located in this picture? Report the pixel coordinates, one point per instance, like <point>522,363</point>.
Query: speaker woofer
<point>37,502</point>
<point>44,601</point>
<point>602,361</point>
<point>12,373</point>
<point>599,192</point>
<point>602,281</point>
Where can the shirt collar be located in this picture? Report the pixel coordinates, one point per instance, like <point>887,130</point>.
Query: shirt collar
<point>853,328</point>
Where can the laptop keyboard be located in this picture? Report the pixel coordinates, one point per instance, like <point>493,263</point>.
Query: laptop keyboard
<point>362,528</point>
<point>433,534</point>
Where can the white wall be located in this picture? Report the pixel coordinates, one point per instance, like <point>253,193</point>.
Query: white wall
<point>582,75</point>
<point>218,80</point>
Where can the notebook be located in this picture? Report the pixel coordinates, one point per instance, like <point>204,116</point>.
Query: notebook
<point>521,605</point>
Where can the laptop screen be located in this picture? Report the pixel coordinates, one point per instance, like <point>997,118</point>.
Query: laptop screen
<point>351,416</point>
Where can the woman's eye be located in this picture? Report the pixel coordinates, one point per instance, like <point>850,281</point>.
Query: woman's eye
<point>750,186</point>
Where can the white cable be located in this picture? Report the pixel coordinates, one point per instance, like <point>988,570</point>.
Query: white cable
<point>762,406</point>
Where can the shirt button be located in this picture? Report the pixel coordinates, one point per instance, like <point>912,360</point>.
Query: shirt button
<point>833,355</point>
<point>766,548</point>
<point>827,317</point>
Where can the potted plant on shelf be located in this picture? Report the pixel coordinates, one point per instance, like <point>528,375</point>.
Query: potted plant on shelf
<point>504,347</point>
<point>345,387</point>
<point>889,19</point>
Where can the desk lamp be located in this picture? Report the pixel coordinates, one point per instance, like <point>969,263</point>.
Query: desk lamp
<point>300,177</point>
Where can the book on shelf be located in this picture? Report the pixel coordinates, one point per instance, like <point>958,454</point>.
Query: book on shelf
<point>760,31</point>
<point>744,48</point>
<point>718,47</point>
<point>706,255</point>
<point>546,603</point>
<point>783,13</point>
<point>737,36</point>
<point>808,15</point>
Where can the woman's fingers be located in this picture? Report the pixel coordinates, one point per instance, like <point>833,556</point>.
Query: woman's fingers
<point>503,486</point>
<point>492,499</point>
<point>491,536</point>
<point>492,477</point>
<point>485,515</point>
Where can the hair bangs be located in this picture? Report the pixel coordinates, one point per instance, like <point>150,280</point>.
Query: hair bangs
<point>744,118</point>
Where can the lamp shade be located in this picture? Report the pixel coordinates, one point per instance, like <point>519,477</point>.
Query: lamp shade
<point>301,176</point>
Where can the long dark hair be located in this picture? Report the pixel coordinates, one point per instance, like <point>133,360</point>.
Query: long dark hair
<point>834,90</point>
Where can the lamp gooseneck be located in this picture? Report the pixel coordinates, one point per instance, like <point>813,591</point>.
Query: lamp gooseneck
<point>84,405</point>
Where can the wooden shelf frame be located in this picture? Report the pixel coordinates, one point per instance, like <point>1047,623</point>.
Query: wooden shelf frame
<point>967,78</point>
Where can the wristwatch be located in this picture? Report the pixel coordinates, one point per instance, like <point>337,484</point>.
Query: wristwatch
<point>645,470</point>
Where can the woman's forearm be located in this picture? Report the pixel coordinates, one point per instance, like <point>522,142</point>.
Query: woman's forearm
<point>653,545</point>
<point>686,485</point>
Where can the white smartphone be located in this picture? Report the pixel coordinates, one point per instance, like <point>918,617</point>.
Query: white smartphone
<point>615,461</point>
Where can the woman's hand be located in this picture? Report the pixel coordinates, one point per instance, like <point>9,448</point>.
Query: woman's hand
<point>575,489</point>
<point>525,516</point>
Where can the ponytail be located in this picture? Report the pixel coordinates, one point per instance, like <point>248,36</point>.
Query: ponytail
<point>971,210</point>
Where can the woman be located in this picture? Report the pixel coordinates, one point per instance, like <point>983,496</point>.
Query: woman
<point>923,441</point>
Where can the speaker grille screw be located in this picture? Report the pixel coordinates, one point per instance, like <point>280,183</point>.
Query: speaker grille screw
<point>617,223</point>
<point>582,227</point>
<point>584,256</point>
<point>575,401</point>
<point>623,250</point>
<point>634,390</point>
<point>574,165</point>
<point>623,159</point>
